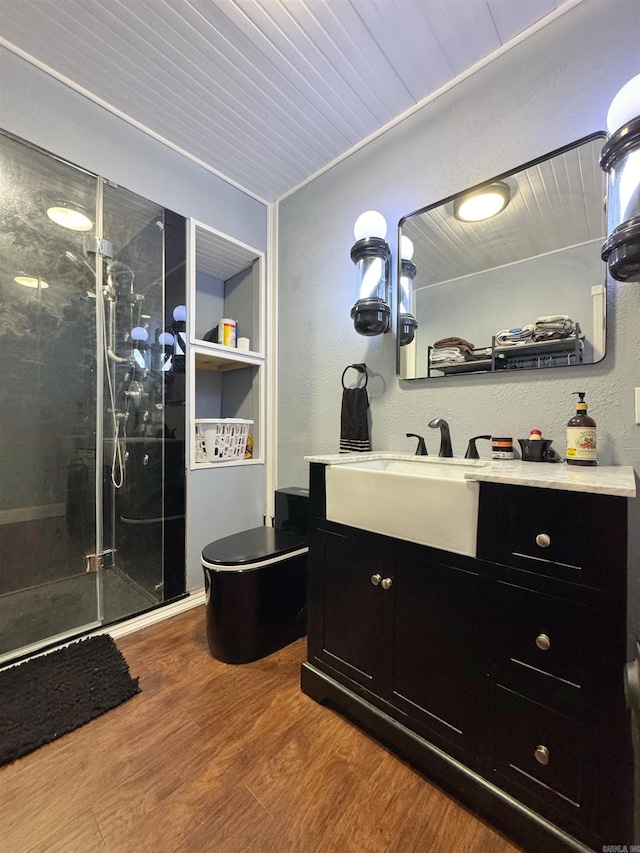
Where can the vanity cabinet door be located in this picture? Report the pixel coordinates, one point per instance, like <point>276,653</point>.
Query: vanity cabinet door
<point>435,645</point>
<point>347,602</point>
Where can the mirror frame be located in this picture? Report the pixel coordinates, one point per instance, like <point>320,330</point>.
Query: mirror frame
<point>449,200</point>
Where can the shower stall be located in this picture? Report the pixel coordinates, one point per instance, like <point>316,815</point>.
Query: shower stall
<point>92,401</point>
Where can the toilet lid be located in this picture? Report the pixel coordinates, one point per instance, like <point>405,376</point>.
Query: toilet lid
<point>252,546</point>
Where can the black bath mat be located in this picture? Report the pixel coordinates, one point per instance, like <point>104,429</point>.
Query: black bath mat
<point>48,696</point>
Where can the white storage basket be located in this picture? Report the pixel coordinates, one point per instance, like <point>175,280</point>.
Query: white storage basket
<point>221,439</point>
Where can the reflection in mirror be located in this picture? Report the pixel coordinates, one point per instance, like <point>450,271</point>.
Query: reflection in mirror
<point>523,288</point>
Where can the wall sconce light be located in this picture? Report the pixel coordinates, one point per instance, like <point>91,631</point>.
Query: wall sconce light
<point>621,160</point>
<point>482,203</point>
<point>408,323</point>
<point>70,216</point>
<point>371,314</point>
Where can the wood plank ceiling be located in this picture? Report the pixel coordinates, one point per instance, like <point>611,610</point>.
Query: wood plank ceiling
<point>264,92</point>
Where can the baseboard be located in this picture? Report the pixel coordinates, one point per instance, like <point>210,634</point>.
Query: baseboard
<point>517,821</point>
<point>158,614</point>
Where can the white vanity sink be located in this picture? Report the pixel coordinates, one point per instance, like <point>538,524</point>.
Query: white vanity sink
<point>419,499</point>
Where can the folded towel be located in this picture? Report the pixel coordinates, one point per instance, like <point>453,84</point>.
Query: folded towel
<point>553,318</point>
<point>445,355</point>
<point>460,343</point>
<point>517,335</point>
<point>554,327</point>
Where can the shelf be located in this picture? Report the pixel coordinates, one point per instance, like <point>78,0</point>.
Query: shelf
<point>476,366</point>
<point>210,356</point>
<point>548,348</point>
<point>204,466</point>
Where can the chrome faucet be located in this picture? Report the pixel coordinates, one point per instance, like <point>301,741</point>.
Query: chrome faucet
<point>445,438</point>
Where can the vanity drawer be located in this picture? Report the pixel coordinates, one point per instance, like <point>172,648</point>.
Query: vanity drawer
<point>565,535</point>
<point>544,753</point>
<point>540,634</point>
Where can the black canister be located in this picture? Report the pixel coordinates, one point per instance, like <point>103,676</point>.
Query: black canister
<point>501,448</point>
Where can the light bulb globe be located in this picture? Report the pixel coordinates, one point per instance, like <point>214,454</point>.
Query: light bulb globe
<point>180,313</point>
<point>625,105</point>
<point>370,224</point>
<point>138,333</point>
<point>406,249</point>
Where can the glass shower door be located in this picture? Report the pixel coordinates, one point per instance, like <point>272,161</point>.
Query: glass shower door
<point>133,403</point>
<point>48,311</point>
<point>92,397</point>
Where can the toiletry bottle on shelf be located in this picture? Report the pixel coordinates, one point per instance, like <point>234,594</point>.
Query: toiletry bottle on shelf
<point>581,436</point>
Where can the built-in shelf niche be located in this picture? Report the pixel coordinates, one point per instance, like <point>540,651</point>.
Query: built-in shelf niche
<point>226,281</point>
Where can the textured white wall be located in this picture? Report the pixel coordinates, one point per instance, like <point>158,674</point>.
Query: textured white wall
<point>544,93</point>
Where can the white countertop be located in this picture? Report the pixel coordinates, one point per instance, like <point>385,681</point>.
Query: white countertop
<point>598,479</point>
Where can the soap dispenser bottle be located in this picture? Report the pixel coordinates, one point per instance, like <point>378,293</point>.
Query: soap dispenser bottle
<point>581,436</point>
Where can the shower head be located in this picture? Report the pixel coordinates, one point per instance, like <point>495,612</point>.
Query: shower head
<point>120,276</point>
<point>79,262</point>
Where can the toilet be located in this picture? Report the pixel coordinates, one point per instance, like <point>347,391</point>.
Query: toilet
<point>256,583</point>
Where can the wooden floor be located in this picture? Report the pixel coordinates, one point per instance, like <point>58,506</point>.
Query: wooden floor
<point>210,757</point>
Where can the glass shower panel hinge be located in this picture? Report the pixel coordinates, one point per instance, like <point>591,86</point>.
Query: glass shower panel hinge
<point>95,562</point>
<point>98,246</point>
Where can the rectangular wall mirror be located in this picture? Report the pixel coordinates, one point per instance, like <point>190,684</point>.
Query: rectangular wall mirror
<point>522,289</point>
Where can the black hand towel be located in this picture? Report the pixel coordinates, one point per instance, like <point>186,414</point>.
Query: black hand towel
<point>354,418</point>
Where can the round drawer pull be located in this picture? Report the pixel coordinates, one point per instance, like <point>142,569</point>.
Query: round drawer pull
<point>543,540</point>
<point>543,642</point>
<point>375,579</point>
<point>386,583</point>
<point>542,755</point>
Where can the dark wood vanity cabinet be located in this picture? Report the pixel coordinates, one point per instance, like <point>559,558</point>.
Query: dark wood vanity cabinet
<point>560,728</point>
<point>500,677</point>
<point>384,626</point>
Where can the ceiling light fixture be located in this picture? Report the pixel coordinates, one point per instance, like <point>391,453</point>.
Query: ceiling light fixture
<point>482,203</point>
<point>69,216</point>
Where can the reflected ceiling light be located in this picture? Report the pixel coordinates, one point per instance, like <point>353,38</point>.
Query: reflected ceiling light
<point>33,281</point>
<point>69,216</point>
<point>483,203</point>
<point>371,314</point>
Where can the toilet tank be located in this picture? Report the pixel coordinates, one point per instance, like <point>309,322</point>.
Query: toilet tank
<point>292,509</point>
